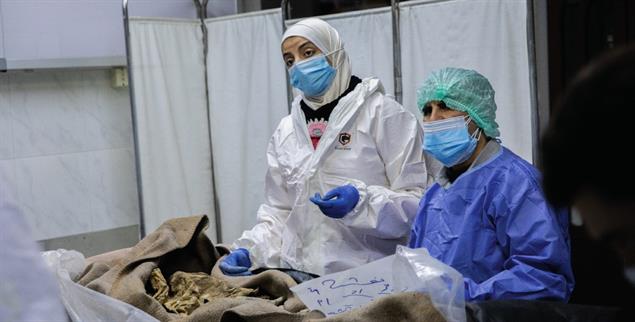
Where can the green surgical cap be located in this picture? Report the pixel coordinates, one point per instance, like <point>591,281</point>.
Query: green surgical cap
<point>462,90</point>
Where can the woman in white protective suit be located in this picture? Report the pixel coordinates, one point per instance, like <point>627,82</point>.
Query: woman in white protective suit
<point>346,169</point>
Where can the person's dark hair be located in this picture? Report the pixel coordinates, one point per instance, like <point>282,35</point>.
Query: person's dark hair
<point>590,141</point>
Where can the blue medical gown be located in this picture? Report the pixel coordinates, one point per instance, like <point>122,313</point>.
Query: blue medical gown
<point>494,226</point>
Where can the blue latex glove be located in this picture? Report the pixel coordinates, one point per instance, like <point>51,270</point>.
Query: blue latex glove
<point>337,202</point>
<point>237,263</point>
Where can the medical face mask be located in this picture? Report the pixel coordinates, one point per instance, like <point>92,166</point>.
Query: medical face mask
<point>312,76</point>
<point>629,272</point>
<point>449,141</point>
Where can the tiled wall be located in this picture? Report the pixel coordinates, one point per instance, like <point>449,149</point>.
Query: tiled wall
<point>66,151</point>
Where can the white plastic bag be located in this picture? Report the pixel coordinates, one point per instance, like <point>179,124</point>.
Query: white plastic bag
<point>416,270</point>
<point>84,304</point>
<point>409,270</point>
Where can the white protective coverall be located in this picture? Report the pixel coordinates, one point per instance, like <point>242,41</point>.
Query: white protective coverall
<point>28,291</point>
<point>371,142</point>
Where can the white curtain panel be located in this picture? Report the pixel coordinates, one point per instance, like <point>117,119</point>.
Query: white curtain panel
<point>489,36</point>
<point>169,83</point>
<point>367,39</point>
<point>248,98</point>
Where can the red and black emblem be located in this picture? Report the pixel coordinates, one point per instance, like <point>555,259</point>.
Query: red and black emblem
<point>344,138</point>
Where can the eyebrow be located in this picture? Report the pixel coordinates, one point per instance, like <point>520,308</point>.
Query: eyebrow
<point>299,47</point>
<point>304,44</point>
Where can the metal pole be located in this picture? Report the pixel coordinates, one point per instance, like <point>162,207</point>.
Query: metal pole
<point>396,50</point>
<point>135,129</point>
<point>284,6</point>
<point>202,15</point>
<point>541,50</point>
<point>533,78</point>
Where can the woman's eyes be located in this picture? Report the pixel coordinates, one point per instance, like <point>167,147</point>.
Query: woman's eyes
<point>306,53</point>
<point>427,109</point>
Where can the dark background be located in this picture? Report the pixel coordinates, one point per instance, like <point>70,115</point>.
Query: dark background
<point>580,30</point>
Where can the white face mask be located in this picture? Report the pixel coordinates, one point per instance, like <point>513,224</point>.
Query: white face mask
<point>629,272</point>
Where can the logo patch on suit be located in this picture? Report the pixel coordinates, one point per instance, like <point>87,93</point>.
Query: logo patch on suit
<point>344,138</point>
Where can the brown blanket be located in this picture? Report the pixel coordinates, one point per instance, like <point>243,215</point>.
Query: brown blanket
<point>181,245</point>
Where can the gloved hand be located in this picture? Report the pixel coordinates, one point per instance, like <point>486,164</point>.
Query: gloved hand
<point>337,202</point>
<point>237,263</point>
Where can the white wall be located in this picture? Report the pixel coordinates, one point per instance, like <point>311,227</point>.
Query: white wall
<point>60,29</point>
<point>219,8</point>
<point>73,29</point>
<point>180,8</point>
<point>1,33</point>
<point>66,151</point>
<point>161,8</point>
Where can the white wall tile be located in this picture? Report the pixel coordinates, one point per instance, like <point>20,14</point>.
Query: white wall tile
<point>113,189</point>
<point>108,115</point>
<point>66,151</point>
<point>48,112</point>
<point>54,194</point>
<point>6,135</point>
<point>8,185</point>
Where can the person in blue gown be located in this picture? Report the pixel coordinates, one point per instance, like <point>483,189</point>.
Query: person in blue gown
<point>486,215</point>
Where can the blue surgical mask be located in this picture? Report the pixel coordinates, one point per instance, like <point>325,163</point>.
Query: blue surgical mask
<point>448,140</point>
<point>312,76</point>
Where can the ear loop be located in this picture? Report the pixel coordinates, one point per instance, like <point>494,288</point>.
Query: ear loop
<point>333,52</point>
<point>477,134</point>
